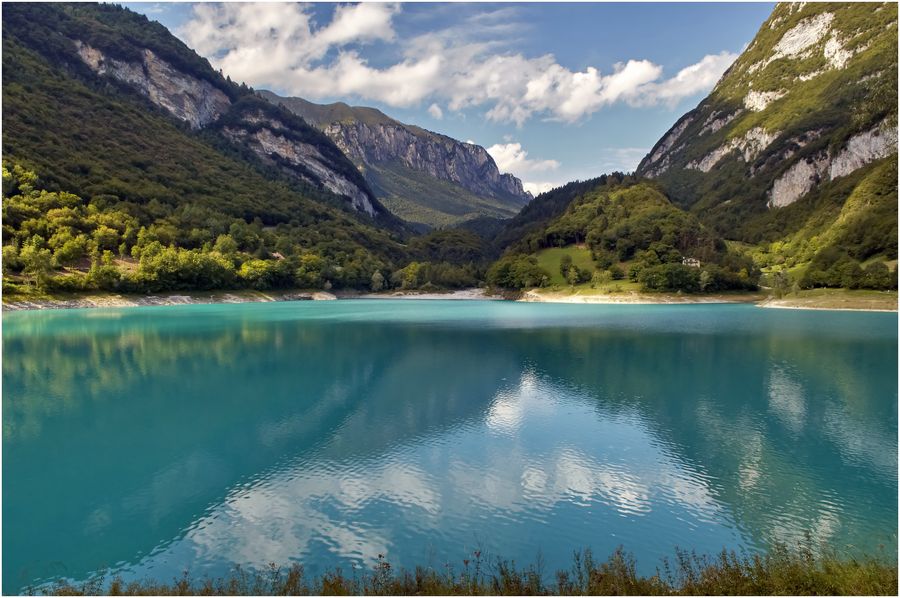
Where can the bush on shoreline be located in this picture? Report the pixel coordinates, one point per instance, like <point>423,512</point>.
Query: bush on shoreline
<point>779,572</point>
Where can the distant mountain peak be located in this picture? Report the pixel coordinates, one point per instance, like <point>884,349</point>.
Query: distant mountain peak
<point>395,157</point>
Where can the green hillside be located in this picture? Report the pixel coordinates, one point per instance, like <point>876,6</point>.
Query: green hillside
<point>797,132</point>
<point>631,230</point>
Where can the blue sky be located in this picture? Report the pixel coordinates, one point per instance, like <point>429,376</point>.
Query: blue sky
<point>556,92</point>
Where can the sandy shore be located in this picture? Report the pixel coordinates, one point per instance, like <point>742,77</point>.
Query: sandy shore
<point>801,304</point>
<point>462,294</point>
<point>112,300</point>
<point>109,300</point>
<point>535,296</point>
<point>842,301</point>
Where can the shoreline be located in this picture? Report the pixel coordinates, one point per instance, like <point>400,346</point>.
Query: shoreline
<point>473,294</point>
<point>100,300</point>
<point>534,296</point>
<point>833,302</point>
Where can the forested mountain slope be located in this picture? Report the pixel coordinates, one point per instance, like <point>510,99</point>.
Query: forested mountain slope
<point>106,72</point>
<point>797,131</point>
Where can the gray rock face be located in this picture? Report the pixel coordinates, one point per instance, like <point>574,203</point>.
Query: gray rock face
<point>267,141</point>
<point>748,145</point>
<point>797,181</point>
<point>866,147</point>
<point>465,164</point>
<point>193,100</point>
<point>860,150</point>
<point>657,162</point>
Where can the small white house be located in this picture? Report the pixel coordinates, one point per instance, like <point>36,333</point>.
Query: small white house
<point>690,261</point>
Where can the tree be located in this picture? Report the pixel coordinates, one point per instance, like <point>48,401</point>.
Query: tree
<point>616,273</point>
<point>310,271</point>
<point>37,261</point>
<point>105,276</point>
<point>225,245</point>
<point>781,283</point>
<point>565,262</point>
<point>706,278</point>
<point>11,260</point>
<point>377,281</point>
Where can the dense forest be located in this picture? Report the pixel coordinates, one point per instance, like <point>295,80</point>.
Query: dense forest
<point>58,241</point>
<point>632,230</point>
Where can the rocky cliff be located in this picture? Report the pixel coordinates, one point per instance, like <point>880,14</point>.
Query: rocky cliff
<point>188,98</point>
<point>812,99</point>
<point>278,143</point>
<point>394,158</point>
<point>194,99</point>
<point>465,164</point>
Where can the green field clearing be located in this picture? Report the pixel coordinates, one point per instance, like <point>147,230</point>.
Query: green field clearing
<point>548,259</point>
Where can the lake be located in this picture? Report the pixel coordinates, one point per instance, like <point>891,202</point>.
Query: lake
<point>153,440</point>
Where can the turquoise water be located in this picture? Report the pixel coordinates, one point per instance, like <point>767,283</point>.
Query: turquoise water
<point>153,440</point>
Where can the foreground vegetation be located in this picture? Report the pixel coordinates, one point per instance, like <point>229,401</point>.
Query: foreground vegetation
<point>780,572</point>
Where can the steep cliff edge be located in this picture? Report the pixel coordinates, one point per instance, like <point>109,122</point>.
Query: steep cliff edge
<point>398,159</point>
<point>811,100</point>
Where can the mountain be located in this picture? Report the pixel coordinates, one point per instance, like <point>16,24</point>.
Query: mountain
<point>131,165</point>
<point>124,55</point>
<point>423,177</point>
<point>795,149</point>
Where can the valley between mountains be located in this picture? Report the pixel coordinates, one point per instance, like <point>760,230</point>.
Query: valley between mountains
<point>133,168</point>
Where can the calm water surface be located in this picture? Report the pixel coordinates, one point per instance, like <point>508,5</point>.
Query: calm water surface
<point>154,440</point>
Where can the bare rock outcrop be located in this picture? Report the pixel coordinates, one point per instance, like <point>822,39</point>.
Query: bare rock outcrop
<point>749,145</point>
<point>466,164</point>
<point>860,150</point>
<point>271,140</point>
<point>188,98</point>
<point>657,162</point>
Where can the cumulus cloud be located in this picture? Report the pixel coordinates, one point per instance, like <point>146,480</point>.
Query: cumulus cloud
<point>538,188</point>
<point>260,43</point>
<point>512,157</point>
<point>690,80</point>
<point>435,111</point>
<point>468,64</point>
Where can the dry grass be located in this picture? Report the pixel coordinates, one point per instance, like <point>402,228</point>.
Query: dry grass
<point>780,572</point>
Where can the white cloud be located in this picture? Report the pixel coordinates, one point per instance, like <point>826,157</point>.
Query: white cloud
<point>358,22</point>
<point>468,64</point>
<point>538,188</point>
<point>512,157</point>
<point>692,79</point>
<point>260,43</point>
<point>435,111</point>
